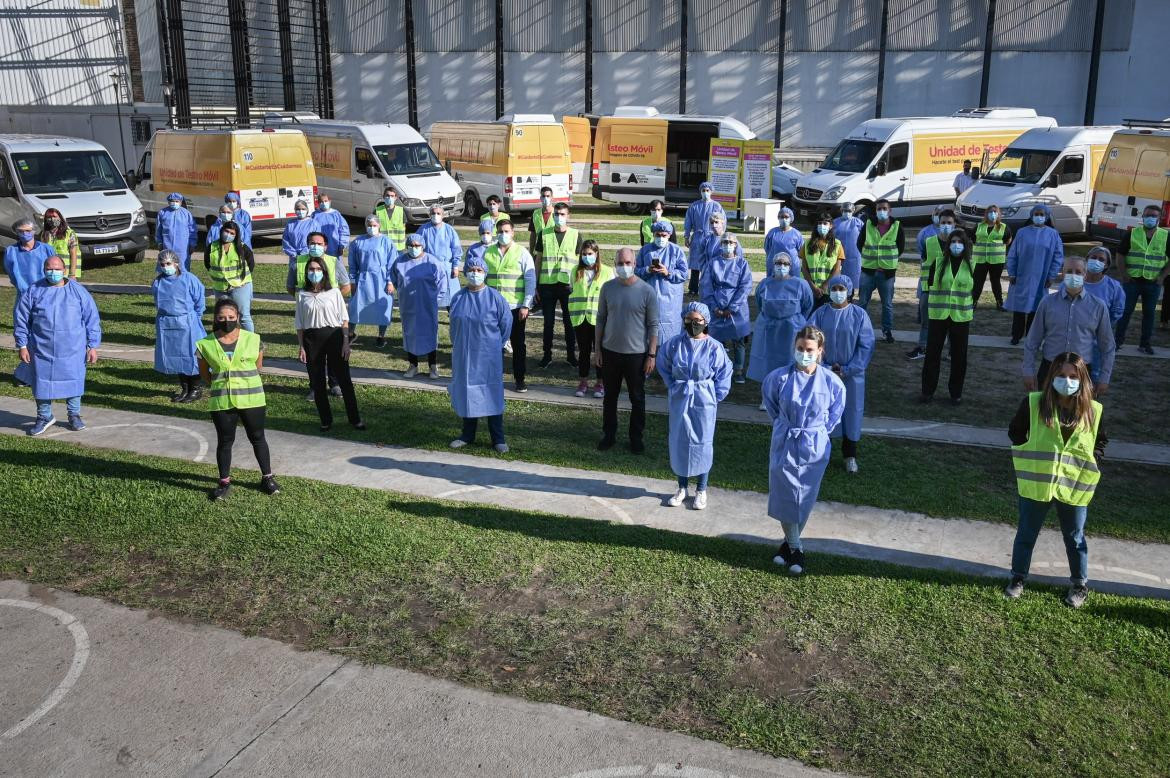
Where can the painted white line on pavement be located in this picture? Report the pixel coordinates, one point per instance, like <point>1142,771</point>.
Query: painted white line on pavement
<point>460,490</point>
<point>80,656</point>
<point>621,514</point>
<point>200,439</point>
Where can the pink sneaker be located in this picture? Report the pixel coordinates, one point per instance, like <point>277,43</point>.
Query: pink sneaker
<point>581,389</point>
<point>598,390</point>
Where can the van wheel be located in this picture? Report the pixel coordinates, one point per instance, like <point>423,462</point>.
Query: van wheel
<point>472,208</point>
<point>631,209</point>
<point>136,257</point>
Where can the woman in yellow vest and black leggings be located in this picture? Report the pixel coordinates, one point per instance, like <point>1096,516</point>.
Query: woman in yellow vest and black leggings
<point>230,360</point>
<point>63,240</point>
<point>950,310</point>
<point>1057,440</point>
<point>587,280</point>
<point>992,238</point>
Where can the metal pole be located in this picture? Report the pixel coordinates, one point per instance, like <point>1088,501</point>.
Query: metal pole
<point>780,69</point>
<point>284,26</point>
<point>118,106</point>
<point>588,56</point>
<point>238,27</point>
<point>499,58</point>
<point>411,73</point>
<point>1095,65</point>
<point>178,48</point>
<point>988,43</point>
<point>881,70</point>
<point>682,57</point>
<point>324,63</point>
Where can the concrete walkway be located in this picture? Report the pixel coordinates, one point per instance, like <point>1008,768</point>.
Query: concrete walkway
<point>90,688</point>
<point>970,547</point>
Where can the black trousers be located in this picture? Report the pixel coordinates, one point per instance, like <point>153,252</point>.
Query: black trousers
<point>693,286</point>
<point>1021,323</point>
<point>939,332</point>
<point>552,295</point>
<point>585,333</point>
<point>983,271</point>
<point>323,352</point>
<point>519,347</point>
<point>432,359</point>
<point>616,368</point>
<point>848,447</point>
<point>225,437</point>
<point>1166,300</point>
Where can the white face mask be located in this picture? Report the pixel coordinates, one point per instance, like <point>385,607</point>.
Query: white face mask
<point>372,229</point>
<point>727,249</point>
<point>655,216</point>
<point>837,296</point>
<point>485,238</point>
<point>705,194</point>
<point>414,251</point>
<point>504,238</point>
<point>660,241</point>
<point>545,200</point>
<point>560,221</point>
<point>804,358</point>
<point>436,218</point>
<point>624,271</point>
<point>476,277</point>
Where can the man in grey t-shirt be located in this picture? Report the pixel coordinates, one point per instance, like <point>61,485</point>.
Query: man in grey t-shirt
<point>627,344</point>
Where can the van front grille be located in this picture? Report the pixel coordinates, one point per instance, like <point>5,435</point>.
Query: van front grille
<point>808,195</point>
<point>115,222</point>
<point>971,210</point>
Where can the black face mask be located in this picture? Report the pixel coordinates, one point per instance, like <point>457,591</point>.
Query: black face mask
<point>696,328</point>
<point>226,326</point>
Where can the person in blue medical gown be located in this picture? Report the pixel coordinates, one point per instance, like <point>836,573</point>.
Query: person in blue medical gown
<point>783,304</point>
<point>847,227</point>
<point>174,229</point>
<point>663,265</point>
<point>442,242</point>
<point>421,281</point>
<point>1034,261</point>
<point>371,256</point>
<point>698,219</point>
<point>179,300</point>
<point>724,288</point>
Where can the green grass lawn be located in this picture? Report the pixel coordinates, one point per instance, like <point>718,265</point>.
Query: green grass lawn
<point>935,479</point>
<point>858,666</point>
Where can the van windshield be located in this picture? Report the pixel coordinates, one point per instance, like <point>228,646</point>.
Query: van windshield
<point>1021,166</point>
<point>852,156</point>
<point>66,171</point>
<point>408,158</point>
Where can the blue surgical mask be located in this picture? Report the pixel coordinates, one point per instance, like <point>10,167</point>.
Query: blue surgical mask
<point>169,270</point>
<point>54,276</point>
<point>560,221</point>
<point>934,218</point>
<point>1096,266</point>
<point>655,215</point>
<point>882,214</point>
<point>389,201</point>
<point>624,271</point>
<point>545,200</point>
<point>823,229</point>
<point>1073,282</point>
<point>1066,386</point>
<point>992,216</point>
<point>589,260</point>
<point>494,207</point>
<point>837,296</point>
<point>25,236</point>
<point>781,271</point>
<point>804,358</point>
<point>373,229</point>
<point>485,238</point>
<point>705,194</point>
<point>414,251</point>
<point>945,229</point>
<point>957,249</point>
<point>660,241</point>
<point>326,205</point>
<point>476,277</point>
<point>785,222</point>
<point>174,205</point>
<point>225,217</point>
<point>1149,222</point>
<point>301,214</point>
<point>227,237</point>
<point>504,238</point>
<point>231,204</point>
<point>316,250</point>
<point>1039,220</point>
<point>727,249</point>
<point>316,276</point>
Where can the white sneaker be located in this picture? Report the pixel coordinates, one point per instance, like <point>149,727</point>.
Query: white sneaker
<point>850,464</point>
<point>677,499</point>
<point>700,503</point>
<point>410,372</point>
<point>508,347</point>
<point>435,374</point>
<point>458,443</point>
<point>501,448</point>
<point>795,569</point>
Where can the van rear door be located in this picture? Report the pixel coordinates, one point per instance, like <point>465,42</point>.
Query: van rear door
<point>252,165</point>
<point>634,160</point>
<point>579,133</point>
<point>1065,190</point>
<point>556,164</point>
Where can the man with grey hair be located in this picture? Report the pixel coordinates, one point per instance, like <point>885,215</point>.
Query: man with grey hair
<point>626,347</point>
<point>24,261</point>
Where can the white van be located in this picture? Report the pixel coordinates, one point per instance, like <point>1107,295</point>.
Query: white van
<point>911,162</point>
<point>1053,166</point>
<point>79,179</point>
<point>356,161</point>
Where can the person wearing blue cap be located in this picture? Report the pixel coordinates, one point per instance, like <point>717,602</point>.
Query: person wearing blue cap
<point>706,250</point>
<point>370,258</point>
<point>332,225</point>
<point>1034,261</point>
<point>698,219</point>
<point>24,260</point>
<point>724,288</point>
<point>481,323</point>
<point>175,229</point>
<point>240,216</point>
<point>663,265</point>
<point>697,374</point>
<point>1107,290</point>
<point>179,300</point>
<point>783,304</point>
<point>295,240</point>
<point>784,238</point>
<point>442,242</point>
<point>487,236</point>
<point>421,281</point>
<point>847,228</point>
<point>849,342</point>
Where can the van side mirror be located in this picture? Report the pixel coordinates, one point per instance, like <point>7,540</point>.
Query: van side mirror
<point>877,170</point>
<point>1052,181</point>
<point>131,179</point>
<point>6,188</point>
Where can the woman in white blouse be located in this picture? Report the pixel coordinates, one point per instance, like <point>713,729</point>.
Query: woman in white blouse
<point>322,321</point>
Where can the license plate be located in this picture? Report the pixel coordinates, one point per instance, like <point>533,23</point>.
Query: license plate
<point>97,250</point>
<point>1109,207</point>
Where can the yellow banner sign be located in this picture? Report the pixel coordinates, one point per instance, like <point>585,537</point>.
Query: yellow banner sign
<point>945,152</point>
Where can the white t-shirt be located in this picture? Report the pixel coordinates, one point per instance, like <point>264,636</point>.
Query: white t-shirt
<point>963,182</point>
<point>320,309</point>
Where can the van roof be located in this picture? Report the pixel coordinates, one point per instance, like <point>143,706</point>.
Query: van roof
<point>740,129</point>
<point>1144,131</point>
<point>229,131</point>
<point>882,129</point>
<point>38,142</point>
<point>1059,137</point>
<point>377,133</point>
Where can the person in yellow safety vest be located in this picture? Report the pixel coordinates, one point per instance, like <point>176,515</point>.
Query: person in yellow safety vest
<point>950,310</point>
<point>512,273</point>
<point>230,265</point>
<point>392,218</point>
<point>1057,439</point>
<point>64,241</point>
<point>496,213</point>
<point>881,243</point>
<point>542,218</point>
<point>1145,267</point>
<point>230,360</point>
<point>556,252</point>
<point>646,229</point>
<point>588,277</point>
<point>338,275</point>
<point>992,238</point>
<point>821,258</point>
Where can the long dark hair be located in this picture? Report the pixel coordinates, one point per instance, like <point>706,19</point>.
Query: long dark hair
<point>1083,399</point>
<point>939,268</point>
<point>817,244</point>
<point>585,245</point>
<point>234,228</point>
<point>325,285</point>
<point>47,234</point>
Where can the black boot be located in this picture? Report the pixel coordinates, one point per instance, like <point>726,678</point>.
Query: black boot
<point>184,390</point>
<point>195,392</point>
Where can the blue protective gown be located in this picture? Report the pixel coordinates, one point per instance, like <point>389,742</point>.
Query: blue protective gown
<point>778,240</point>
<point>669,287</point>
<point>481,323</point>
<point>1034,259</point>
<point>335,228</point>
<point>804,409</point>
<point>214,230</point>
<point>370,260</point>
<point>1109,291</point>
<point>849,343</point>
<point>847,228</point>
<point>725,285</point>
<point>179,304</point>
<point>442,242</point>
<point>697,374</point>
<point>927,232</point>
<point>698,220</point>
<point>25,268</point>
<point>707,249</point>
<point>476,250</point>
<point>175,229</point>
<point>244,220</point>
<point>57,324</point>
<point>421,283</point>
<point>295,240</point>
<point>782,309</point>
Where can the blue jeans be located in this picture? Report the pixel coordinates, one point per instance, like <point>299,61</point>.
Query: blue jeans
<point>45,407</point>
<point>495,428</point>
<point>792,534</point>
<point>243,298</point>
<point>885,289</point>
<point>923,319</point>
<point>1072,526</point>
<point>1147,291</point>
<point>700,482</point>
<point>738,351</point>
